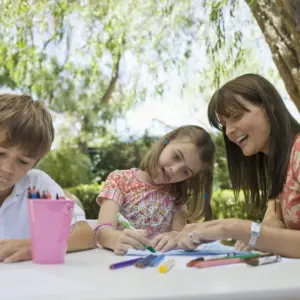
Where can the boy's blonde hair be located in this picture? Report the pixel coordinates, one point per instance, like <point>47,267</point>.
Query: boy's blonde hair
<point>195,191</point>
<point>26,123</point>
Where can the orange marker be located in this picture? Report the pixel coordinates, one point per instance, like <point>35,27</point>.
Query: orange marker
<point>217,262</point>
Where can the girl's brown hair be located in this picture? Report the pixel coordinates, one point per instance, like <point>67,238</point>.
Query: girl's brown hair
<point>196,191</point>
<point>260,176</point>
<point>26,123</point>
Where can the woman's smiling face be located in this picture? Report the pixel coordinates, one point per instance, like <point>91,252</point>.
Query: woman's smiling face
<point>248,128</point>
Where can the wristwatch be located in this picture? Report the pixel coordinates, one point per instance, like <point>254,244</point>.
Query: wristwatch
<point>255,233</point>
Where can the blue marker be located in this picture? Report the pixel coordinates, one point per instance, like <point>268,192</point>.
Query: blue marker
<point>156,261</point>
<point>145,262</point>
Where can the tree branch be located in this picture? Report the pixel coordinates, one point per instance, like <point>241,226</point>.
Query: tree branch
<point>112,84</point>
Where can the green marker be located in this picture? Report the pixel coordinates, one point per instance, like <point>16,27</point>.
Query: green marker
<point>246,256</point>
<point>229,256</point>
<point>127,224</point>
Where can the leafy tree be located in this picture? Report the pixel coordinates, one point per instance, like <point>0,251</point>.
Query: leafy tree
<point>279,21</point>
<point>76,55</point>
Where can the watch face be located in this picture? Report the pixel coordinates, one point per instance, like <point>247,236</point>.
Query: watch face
<point>255,227</point>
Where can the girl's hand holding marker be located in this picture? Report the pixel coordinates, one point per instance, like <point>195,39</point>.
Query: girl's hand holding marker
<point>131,237</point>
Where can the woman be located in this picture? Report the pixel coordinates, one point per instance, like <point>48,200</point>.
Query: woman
<point>263,149</point>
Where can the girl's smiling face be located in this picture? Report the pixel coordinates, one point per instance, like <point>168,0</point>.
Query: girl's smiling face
<point>178,161</point>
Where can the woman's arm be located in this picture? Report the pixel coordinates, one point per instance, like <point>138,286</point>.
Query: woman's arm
<point>273,216</point>
<point>285,242</point>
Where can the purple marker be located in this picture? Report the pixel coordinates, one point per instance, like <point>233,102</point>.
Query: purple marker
<point>125,263</point>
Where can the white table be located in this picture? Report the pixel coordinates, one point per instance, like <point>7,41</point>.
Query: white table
<point>89,269</point>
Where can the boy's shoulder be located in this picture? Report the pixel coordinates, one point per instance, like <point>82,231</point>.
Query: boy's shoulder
<point>38,176</point>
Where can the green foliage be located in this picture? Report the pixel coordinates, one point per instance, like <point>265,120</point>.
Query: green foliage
<point>226,205</point>
<point>67,166</point>
<point>117,154</point>
<point>221,174</point>
<point>159,35</point>
<point>87,193</point>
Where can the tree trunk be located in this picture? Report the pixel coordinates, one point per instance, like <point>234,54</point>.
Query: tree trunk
<point>279,21</point>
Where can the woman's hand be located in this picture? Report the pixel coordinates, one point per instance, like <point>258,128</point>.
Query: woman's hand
<point>194,234</point>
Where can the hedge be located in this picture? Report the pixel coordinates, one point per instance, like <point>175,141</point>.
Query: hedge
<point>87,193</point>
<point>224,204</point>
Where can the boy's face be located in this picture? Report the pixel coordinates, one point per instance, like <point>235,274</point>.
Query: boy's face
<point>14,164</point>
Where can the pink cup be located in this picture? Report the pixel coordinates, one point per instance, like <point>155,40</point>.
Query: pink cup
<point>50,224</point>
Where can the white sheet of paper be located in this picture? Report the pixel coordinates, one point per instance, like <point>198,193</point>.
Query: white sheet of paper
<point>27,284</point>
<point>213,248</point>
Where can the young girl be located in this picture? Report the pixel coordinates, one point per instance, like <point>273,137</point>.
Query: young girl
<point>263,149</point>
<point>176,171</point>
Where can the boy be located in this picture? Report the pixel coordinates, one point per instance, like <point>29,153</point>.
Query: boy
<point>26,135</point>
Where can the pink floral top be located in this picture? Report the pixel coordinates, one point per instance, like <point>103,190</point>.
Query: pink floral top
<point>290,196</point>
<point>143,205</point>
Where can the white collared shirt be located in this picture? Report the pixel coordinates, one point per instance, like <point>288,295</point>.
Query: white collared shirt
<point>14,216</point>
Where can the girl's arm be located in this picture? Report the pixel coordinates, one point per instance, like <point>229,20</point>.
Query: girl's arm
<point>119,241</point>
<point>166,241</point>
<point>108,236</point>
<point>178,223</point>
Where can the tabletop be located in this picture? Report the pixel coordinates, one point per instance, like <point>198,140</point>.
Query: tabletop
<point>86,276</point>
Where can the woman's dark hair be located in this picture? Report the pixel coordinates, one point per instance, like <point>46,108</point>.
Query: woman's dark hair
<point>260,176</point>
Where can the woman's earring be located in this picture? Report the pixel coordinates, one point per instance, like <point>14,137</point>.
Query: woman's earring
<point>165,141</point>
